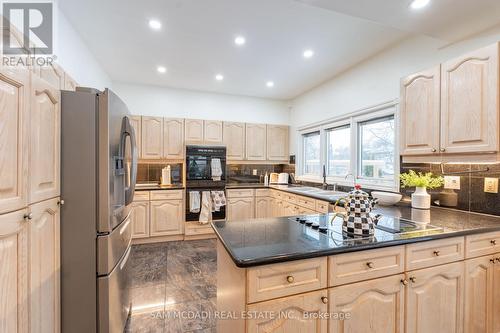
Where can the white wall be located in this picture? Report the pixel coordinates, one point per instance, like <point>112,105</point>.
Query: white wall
<point>376,80</point>
<point>74,56</point>
<point>169,102</point>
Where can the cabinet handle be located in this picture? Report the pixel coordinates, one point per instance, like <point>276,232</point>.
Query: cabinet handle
<point>413,279</point>
<point>436,253</point>
<point>434,150</point>
<point>497,259</point>
<point>370,264</point>
<point>324,299</point>
<point>60,202</point>
<point>28,217</point>
<point>492,261</point>
<point>493,242</point>
<point>290,279</point>
<point>404,282</point>
<point>442,150</point>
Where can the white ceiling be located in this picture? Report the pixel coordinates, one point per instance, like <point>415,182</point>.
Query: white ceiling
<point>196,40</point>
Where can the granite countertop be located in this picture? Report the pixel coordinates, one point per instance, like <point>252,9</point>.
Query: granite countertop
<point>273,240</point>
<point>245,185</point>
<point>154,187</point>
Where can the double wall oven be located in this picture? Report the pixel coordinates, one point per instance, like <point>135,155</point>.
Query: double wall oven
<point>199,175</point>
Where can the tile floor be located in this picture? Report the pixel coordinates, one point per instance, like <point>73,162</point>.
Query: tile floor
<point>169,279</point>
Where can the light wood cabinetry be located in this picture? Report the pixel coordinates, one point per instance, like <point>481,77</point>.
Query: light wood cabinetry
<point>152,137</point>
<point>14,312</point>
<point>14,120</point>
<point>135,122</point>
<point>240,208</point>
<point>495,296</point>
<point>45,141</point>
<point>300,309</point>
<point>166,217</point>
<point>53,75</point>
<point>173,138</point>
<point>263,207</point>
<point>435,299</point>
<point>371,306</point>
<point>482,244</point>
<point>44,272</point>
<point>212,131</point>
<point>470,97</point>
<point>420,112</point>
<point>139,217</point>
<point>437,252</point>
<point>234,139</point>
<point>69,82</point>
<point>255,142</point>
<point>277,143</point>
<point>193,131</point>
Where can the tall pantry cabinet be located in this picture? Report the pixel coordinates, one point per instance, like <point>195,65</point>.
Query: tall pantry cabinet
<point>30,115</point>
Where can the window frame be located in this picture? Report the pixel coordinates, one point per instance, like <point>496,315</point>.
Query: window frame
<point>302,151</point>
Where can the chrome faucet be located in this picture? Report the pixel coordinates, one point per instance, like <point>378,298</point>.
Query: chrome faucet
<point>353,178</point>
<point>325,184</point>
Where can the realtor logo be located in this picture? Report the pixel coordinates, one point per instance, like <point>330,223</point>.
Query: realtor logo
<point>35,23</point>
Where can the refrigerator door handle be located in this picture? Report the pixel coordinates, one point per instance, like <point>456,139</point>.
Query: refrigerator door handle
<point>128,130</point>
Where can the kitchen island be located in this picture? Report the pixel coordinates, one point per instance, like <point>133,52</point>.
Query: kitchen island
<point>283,275</point>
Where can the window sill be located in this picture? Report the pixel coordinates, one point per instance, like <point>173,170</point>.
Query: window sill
<point>349,183</point>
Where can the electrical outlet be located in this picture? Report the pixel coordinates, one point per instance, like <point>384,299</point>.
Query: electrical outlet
<point>491,185</point>
<point>254,172</point>
<point>452,182</point>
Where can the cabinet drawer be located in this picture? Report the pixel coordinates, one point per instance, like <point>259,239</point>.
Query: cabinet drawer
<point>322,206</point>
<point>306,202</point>
<point>434,253</point>
<point>166,194</point>
<point>482,244</point>
<point>273,281</point>
<point>242,193</point>
<point>277,194</point>
<point>289,197</point>
<point>141,196</point>
<point>364,265</point>
<point>262,192</point>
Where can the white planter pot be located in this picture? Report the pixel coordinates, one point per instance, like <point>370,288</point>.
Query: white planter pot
<point>421,199</point>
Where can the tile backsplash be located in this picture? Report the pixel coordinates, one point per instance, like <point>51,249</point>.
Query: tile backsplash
<point>244,173</point>
<point>471,196</point>
<point>151,172</point>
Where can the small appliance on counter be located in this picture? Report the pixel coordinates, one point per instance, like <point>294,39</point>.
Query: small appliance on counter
<point>273,178</point>
<point>283,178</point>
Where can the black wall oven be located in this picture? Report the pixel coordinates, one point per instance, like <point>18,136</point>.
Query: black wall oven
<point>199,175</point>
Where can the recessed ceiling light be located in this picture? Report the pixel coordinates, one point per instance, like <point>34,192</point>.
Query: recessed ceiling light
<point>417,4</point>
<point>154,24</point>
<point>240,40</point>
<point>270,84</point>
<point>161,69</point>
<point>308,54</point>
<point>219,77</point>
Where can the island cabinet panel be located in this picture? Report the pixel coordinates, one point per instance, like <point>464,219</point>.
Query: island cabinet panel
<point>372,306</point>
<point>478,289</point>
<point>435,299</point>
<point>482,244</point>
<point>469,106</point>
<point>152,137</point>
<point>173,138</point>
<point>420,110</point>
<point>437,252</point>
<point>365,265</point>
<point>234,139</point>
<point>295,314</point>
<point>278,280</point>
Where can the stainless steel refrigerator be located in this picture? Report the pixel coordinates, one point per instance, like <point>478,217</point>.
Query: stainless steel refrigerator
<point>98,175</point>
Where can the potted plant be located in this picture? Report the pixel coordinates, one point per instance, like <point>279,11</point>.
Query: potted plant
<point>420,198</point>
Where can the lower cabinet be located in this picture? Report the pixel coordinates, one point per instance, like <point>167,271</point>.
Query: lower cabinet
<point>240,208</point>
<point>139,217</point>
<point>300,313</point>
<point>263,207</point>
<point>166,217</point>
<point>370,306</point>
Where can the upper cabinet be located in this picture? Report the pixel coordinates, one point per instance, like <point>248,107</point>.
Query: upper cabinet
<point>234,139</point>
<point>173,138</point>
<point>419,109</point>
<point>469,108</point>
<point>69,83</point>
<point>194,131</point>
<point>152,137</point>
<point>53,75</point>
<point>45,141</point>
<point>135,122</point>
<point>256,142</point>
<point>277,143</point>
<point>212,131</point>
<point>452,112</point>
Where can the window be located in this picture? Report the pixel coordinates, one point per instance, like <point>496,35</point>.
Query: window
<point>338,151</point>
<point>312,153</point>
<point>377,150</point>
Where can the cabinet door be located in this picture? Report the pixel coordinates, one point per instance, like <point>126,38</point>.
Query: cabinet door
<point>14,99</point>
<point>291,314</point>
<point>478,283</point>
<point>193,130</point>
<point>212,131</point>
<point>173,138</point>
<point>469,107</point>
<point>262,207</point>
<point>240,209</point>
<point>69,83</point>
<point>44,248</point>
<point>277,143</point>
<point>234,139</point>
<point>135,121</point>
<point>255,142</point>
<point>420,112</point>
<point>372,306</point>
<point>45,141</point>
<point>434,301</point>
<point>152,137</point>
<point>166,217</point>
<point>140,219</point>
<point>494,294</point>
<point>53,75</point>
<point>14,272</point>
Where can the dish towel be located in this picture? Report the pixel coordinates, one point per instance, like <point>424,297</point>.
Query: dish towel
<point>216,169</point>
<point>194,201</point>
<point>206,208</point>
<point>218,199</point>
